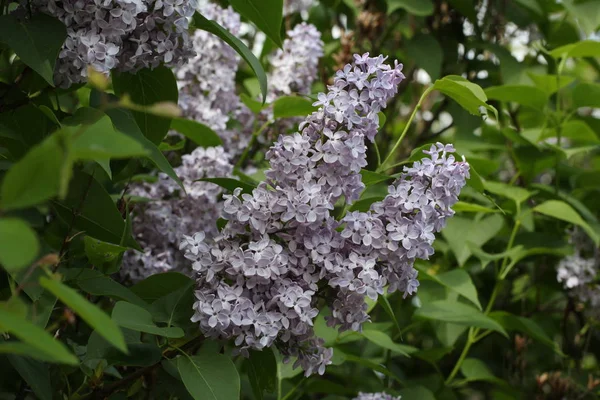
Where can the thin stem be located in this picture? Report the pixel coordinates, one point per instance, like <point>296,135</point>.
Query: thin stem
<point>251,143</point>
<point>406,128</point>
<point>377,153</point>
<point>511,241</point>
<point>463,355</point>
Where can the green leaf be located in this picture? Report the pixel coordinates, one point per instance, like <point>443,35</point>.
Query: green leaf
<point>125,122</point>
<point>371,365</point>
<point>147,87</point>
<point>216,29</point>
<point>18,244</point>
<point>94,210</point>
<point>515,193</point>
<point>102,255</point>
<point>254,105</point>
<point>416,7</point>
<point>370,178</point>
<point>36,40</point>
<point>36,177</point>
<point>136,318</point>
<point>529,96</point>
<point>100,140</point>
<point>175,308</point>
<point>98,284</point>
<point>427,53</point>
<point>585,48</point>
<point>586,94</point>
<point>159,285</point>
<point>23,349</point>
<point>525,325</point>
<point>476,370</point>
<point>551,83</point>
<point>266,14</point>
<point>230,184</point>
<point>365,204</point>
<point>460,231</point>
<point>470,96</point>
<point>262,372</point>
<point>90,313</point>
<point>532,5</point>
<point>458,313</point>
<point>209,376</point>
<point>35,373</point>
<point>416,392</point>
<point>386,342</point>
<point>47,347</point>
<point>457,280</point>
<point>462,206</point>
<point>292,106</point>
<point>199,133</point>
<point>140,354</point>
<point>561,210</point>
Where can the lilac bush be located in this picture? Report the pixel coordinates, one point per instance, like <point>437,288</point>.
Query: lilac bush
<point>283,255</point>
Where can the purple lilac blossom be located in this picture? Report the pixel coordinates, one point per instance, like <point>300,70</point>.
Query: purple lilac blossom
<point>282,255</point>
<point>295,66</point>
<point>376,396</point>
<point>126,35</point>
<point>159,224</point>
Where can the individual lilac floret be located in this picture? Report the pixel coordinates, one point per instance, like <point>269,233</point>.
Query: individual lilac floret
<point>160,223</point>
<point>293,6</point>
<point>119,34</point>
<point>282,256</point>
<point>295,65</point>
<point>376,396</point>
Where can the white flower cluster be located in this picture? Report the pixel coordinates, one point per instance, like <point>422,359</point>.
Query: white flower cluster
<point>376,396</point>
<point>293,6</point>
<point>124,34</point>
<point>282,254</point>
<point>159,224</point>
<point>579,272</point>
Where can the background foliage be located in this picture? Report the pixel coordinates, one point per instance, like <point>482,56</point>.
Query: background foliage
<point>512,84</point>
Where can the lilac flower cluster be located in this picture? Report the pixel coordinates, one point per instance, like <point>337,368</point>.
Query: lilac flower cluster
<point>376,396</point>
<point>578,272</point>
<point>206,82</point>
<point>282,254</point>
<point>293,6</point>
<point>124,34</point>
<point>295,65</point>
<point>159,223</point>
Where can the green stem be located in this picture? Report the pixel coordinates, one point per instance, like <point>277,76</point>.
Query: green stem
<point>251,143</point>
<point>511,241</point>
<point>405,131</point>
<point>463,355</point>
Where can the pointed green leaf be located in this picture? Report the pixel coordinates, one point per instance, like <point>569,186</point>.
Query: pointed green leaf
<point>292,106</point>
<point>266,14</point>
<point>209,377</point>
<point>90,313</point>
<point>47,346</point>
<point>36,40</point>
<point>199,133</point>
<point>136,318</point>
<point>415,7</point>
<point>458,313</point>
<point>18,244</point>
<point>561,210</point>
<point>386,342</point>
<point>147,87</point>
